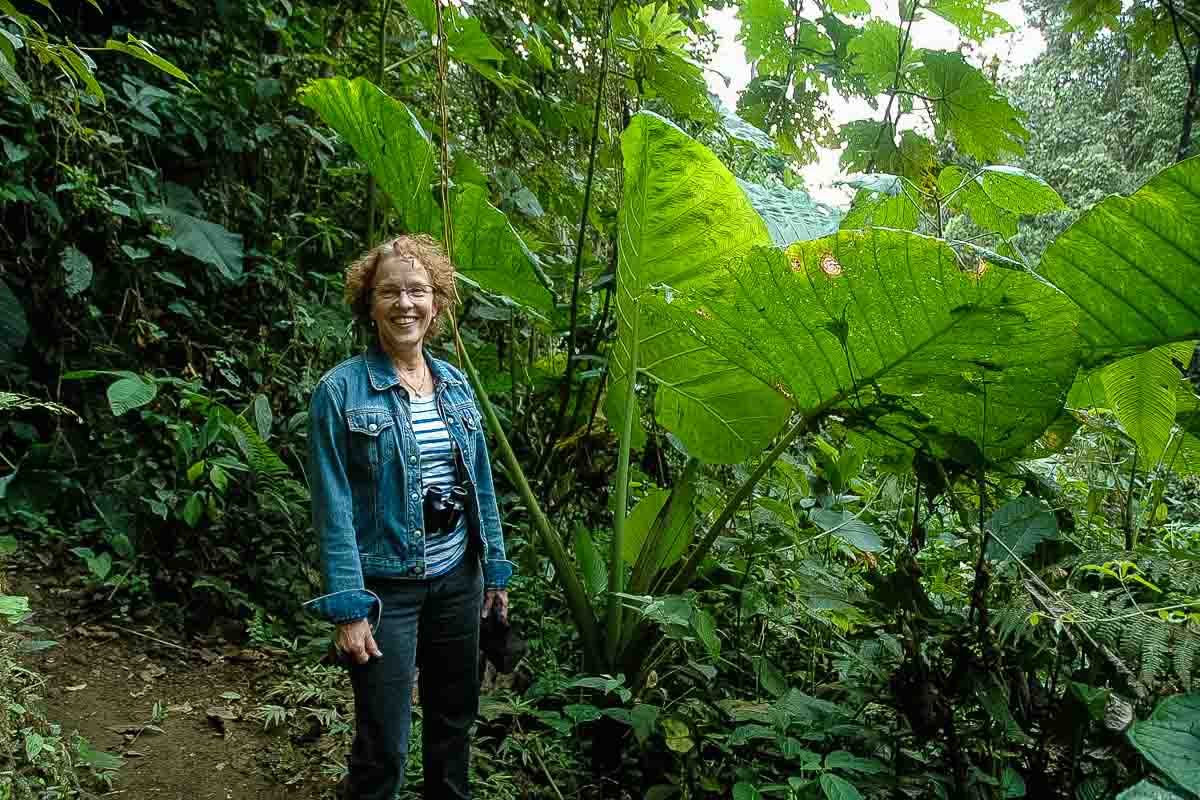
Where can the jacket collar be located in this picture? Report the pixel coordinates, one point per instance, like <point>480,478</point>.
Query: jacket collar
<point>382,373</point>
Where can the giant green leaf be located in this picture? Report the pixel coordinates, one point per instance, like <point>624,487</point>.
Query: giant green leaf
<point>882,200</point>
<point>886,328</point>
<point>14,328</point>
<point>1021,524</point>
<point>488,250</point>
<point>790,214</point>
<point>966,105</point>
<point>398,152</point>
<point>682,219</point>
<point>1141,390</point>
<point>388,139</point>
<point>1133,265</point>
<point>207,241</point>
<point>1170,740</point>
<point>836,788</point>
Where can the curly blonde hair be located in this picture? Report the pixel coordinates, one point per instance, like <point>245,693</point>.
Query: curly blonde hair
<point>360,276</point>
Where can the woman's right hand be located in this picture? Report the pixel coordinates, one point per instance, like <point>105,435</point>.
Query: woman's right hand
<point>355,639</point>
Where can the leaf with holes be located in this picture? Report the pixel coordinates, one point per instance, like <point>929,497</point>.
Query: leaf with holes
<point>683,218</point>
<point>1133,265</point>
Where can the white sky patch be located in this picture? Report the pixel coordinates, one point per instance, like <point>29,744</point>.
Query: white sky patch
<point>1015,50</point>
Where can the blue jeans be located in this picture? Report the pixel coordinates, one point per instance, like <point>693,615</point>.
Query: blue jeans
<point>433,624</point>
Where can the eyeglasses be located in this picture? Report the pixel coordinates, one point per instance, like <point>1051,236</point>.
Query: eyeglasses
<point>416,293</point>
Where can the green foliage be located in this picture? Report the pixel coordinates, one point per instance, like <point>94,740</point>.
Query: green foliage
<point>1170,740</point>
<point>1018,527</point>
<point>1130,264</point>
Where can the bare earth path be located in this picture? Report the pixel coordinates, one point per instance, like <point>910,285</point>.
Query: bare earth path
<point>105,681</point>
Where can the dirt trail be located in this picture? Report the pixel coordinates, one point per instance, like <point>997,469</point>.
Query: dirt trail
<point>105,682</point>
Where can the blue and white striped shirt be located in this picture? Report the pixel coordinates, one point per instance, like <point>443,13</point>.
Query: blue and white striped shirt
<point>442,551</point>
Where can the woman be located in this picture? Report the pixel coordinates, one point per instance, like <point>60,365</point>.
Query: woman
<point>404,508</point>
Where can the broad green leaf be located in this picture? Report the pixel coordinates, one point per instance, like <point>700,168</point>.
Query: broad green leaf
<point>1019,191</point>
<point>78,269</point>
<point>870,146</point>
<point>208,242</point>
<point>388,139</point>
<point>1141,390</point>
<point>847,526</point>
<point>13,607</point>
<point>882,200</point>
<point>1088,390</point>
<point>836,788</point>
<point>129,392</point>
<point>876,55</point>
<point>706,631</point>
<point>14,328</point>
<point>1133,264</point>
<point>790,214</point>
<point>659,530</point>
<point>965,192</point>
<point>677,735</point>
<point>1021,524</point>
<point>193,508</point>
<point>971,17</point>
<point>33,745</point>
<point>682,219</point>
<point>968,107</point>
<point>1011,783</point>
<point>1170,740</point>
<point>1145,790</point>
<point>746,791</point>
<point>98,759</point>
<point>488,250</point>
<point>262,416</point>
<point>592,564</point>
<point>885,327</point>
<point>397,151</point>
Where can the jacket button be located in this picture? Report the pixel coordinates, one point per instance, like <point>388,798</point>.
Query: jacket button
<point>415,495</point>
<point>412,459</point>
<point>372,427</point>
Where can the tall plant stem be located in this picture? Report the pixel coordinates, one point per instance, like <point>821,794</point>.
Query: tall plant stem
<point>380,74</point>
<point>616,568</point>
<point>573,331</point>
<point>577,599</point>
<point>887,112</point>
<point>684,576</point>
<point>1130,540</point>
<point>1193,74</point>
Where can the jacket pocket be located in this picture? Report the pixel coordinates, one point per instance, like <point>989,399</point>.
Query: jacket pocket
<point>372,437</point>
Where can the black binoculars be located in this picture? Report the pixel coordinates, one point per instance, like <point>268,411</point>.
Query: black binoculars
<point>443,507</point>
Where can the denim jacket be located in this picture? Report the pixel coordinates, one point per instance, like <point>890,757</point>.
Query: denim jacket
<point>364,473</point>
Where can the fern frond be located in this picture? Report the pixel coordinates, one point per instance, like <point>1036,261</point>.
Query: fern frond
<point>1155,648</point>
<point>1186,656</point>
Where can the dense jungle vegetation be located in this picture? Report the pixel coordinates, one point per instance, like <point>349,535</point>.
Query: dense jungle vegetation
<point>891,500</point>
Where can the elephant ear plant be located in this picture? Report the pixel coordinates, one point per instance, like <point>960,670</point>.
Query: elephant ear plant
<point>968,360</point>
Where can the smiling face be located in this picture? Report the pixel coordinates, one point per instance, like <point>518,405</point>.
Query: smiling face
<point>402,304</point>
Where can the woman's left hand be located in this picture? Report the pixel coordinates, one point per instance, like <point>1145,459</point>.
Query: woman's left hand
<point>498,598</point>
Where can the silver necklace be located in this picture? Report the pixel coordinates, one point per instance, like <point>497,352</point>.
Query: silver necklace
<point>419,389</point>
